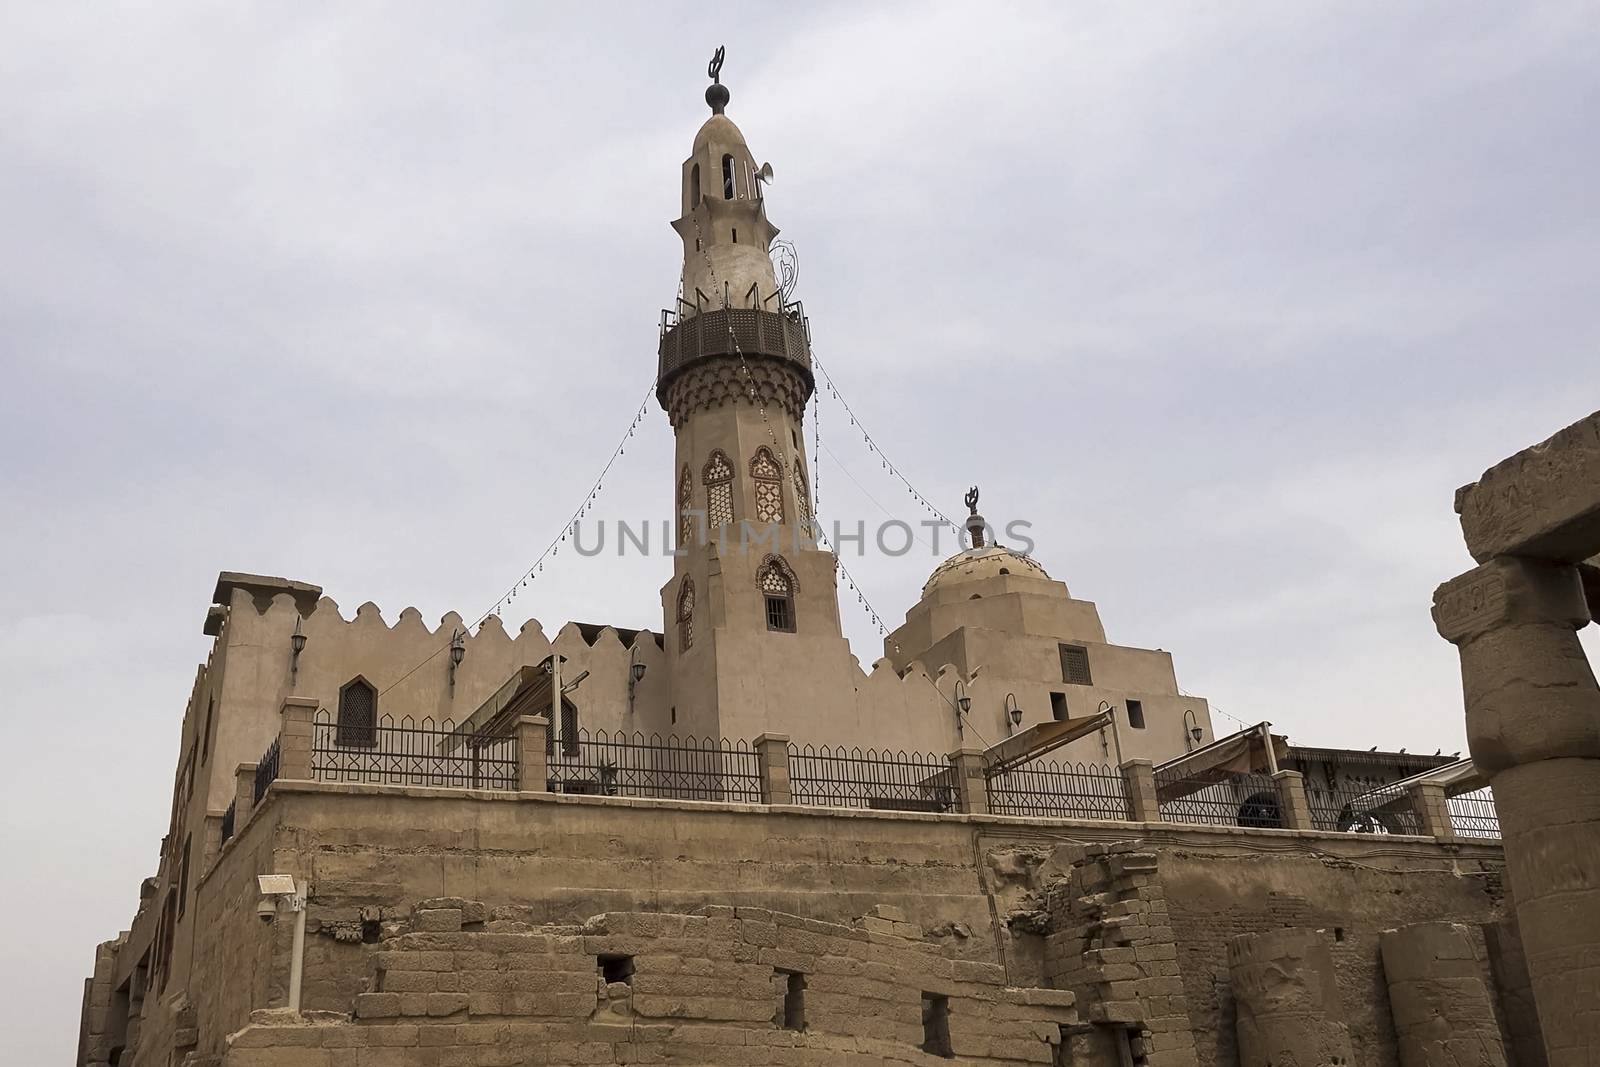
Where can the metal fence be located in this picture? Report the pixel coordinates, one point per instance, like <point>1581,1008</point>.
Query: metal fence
<point>1060,790</point>
<point>856,778</point>
<point>1232,800</point>
<point>266,772</point>
<point>228,821</point>
<point>1474,815</point>
<point>635,765</point>
<point>412,752</point>
<point>1348,792</point>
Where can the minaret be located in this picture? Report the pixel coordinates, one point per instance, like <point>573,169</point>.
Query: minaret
<point>752,615</point>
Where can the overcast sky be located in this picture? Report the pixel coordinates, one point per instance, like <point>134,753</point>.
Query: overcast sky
<point>1226,300</point>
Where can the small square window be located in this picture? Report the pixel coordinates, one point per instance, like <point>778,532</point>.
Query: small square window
<point>1058,707</point>
<point>1075,665</point>
<point>1136,714</point>
<point>780,614</point>
<point>791,1013</point>
<point>616,969</point>
<point>936,1025</point>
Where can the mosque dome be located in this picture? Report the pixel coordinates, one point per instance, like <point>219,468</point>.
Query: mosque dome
<point>989,561</point>
<point>981,560</point>
<point>718,128</point>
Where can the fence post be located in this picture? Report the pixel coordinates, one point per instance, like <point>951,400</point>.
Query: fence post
<point>1292,801</point>
<point>294,738</point>
<point>533,766</point>
<point>972,780</point>
<point>1140,778</point>
<point>1428,800</point>
<point>772,756</point>
<point>244,794</point>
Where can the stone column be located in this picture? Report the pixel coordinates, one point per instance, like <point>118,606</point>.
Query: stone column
<point>1523,1039</point>
<point>1286,1000</point>
<point>1140,778</point>
<point>1443,1012</point>
<point>294,738</point>
<point>1292,802</point>
<point>772,753</point>
<point>244,794</point>
<point>533,765</point>
<point>1533,726</point>
<point>972,783</point>
<point>1433,810</point>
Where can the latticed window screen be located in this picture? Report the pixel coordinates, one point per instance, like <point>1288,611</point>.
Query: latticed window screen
<point>718,477</point>
<point>358,715</point>
<point>778,588</point>
<point>768,479</point>
<point>685,520</point>
<point>686,616</point>
<point>1075,665</point>
<point>802,501</point>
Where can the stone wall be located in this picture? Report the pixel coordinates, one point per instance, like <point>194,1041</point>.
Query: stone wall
<point>1215,896</point>
<point>726,985</point>
<point>970,882</point>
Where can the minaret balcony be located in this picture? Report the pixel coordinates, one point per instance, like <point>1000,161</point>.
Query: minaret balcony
<point>753,333</point>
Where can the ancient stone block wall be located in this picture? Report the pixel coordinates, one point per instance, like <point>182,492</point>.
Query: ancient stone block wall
<point>1216,896</point>
<point>1111,942</point>
<point>712,988</point>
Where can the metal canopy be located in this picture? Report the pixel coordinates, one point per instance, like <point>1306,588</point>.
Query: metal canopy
<point>1459,777</point>
<point>526,692</point>
<point>1239,753</point>
<point>1039,739</point>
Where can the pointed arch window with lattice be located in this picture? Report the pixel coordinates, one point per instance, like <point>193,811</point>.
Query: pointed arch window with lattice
<point>718,479</point>
<point>777,587</point>
<point>686,615</point>
<point>685,519</point>
<point>802,500</point>
<point>767,477</point>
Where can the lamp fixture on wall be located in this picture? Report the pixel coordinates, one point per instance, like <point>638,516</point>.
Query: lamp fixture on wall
<point>297,645</point>
<point>635,675</point>
<point>1013,713</point>
<point>458,652</point>
<point>1192,732</point>
<point>963,703</point>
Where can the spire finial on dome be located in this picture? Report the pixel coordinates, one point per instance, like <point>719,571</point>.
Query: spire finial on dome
<point>975,523</point>
<point>716,93</point>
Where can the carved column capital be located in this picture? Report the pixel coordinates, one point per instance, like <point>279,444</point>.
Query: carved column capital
<point>1507,592</point>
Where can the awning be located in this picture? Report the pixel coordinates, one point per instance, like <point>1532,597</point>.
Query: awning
<point>526,692</point>
<point>1039,739</point>
<point>1241,753</point>
<point>1459,777</point>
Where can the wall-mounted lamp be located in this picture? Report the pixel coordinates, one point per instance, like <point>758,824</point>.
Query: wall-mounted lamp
<point>297,645</point>
<point>963,703</point>
<point>458,652</point>
<point>1013,712</point>
<point>1116,734</point>
<point>635,674</point>
<point>1192,732</point>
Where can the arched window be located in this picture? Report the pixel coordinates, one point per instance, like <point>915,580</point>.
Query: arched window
<point>777,586</point>
<point>802,500</point>
<point>727,177</point>
<point>358,715</point>
<point>685,520</point>
<point>686,615</point>
<point>718,479</point>
<point>768,478</point>
<point>694,186</point>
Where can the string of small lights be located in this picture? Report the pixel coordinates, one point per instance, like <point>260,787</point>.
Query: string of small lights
<point>873,447</point>
<point>554,547</point>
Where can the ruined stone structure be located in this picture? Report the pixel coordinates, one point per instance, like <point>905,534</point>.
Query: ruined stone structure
<point>1008,842</point>
<point>1533,708</point>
